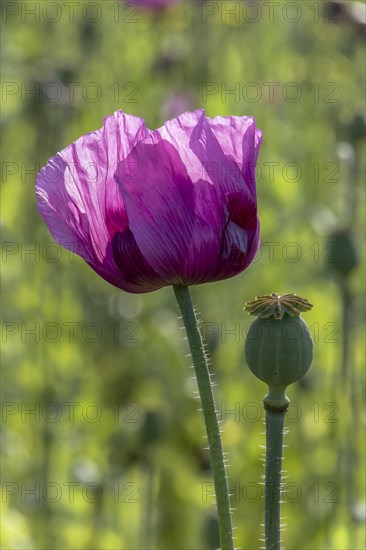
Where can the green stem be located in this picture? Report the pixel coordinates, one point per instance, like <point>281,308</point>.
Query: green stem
<point>272,487</point>
<point>209,414</point>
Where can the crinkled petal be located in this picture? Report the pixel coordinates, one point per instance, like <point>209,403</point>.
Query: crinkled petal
<point>187,230</point>
<point>241,236</point>
<point>220,156</point>
<point>131,262</point>
<point>159,200</point>
<point>223,150</point>
<point>80,201</point>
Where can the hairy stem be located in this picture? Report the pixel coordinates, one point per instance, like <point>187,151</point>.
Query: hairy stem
<point>272,490</point>
<point>209,414</point>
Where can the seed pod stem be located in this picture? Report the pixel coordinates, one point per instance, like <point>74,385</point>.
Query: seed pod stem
<point>272,487</point>
<point>276,398</point>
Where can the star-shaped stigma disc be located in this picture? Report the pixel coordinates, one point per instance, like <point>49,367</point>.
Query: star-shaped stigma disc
<point>276,305</point>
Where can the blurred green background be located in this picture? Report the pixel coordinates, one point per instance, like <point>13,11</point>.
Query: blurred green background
<point>101,436</point>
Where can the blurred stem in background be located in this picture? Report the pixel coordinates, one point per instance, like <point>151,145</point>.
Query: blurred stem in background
<point>209,413</point>
<point>97,520</point>
<point>148,519</point>
<point>48,441</point>
<point>344,262</point>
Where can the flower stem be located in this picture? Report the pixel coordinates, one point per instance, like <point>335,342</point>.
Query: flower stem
<point>272,487</point>
<point>209,414</point>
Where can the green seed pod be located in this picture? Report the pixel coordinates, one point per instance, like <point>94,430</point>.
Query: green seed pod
<point>278,348</point>
<point>342,256</point>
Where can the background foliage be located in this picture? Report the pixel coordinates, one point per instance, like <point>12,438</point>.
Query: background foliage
<point>112,456</point>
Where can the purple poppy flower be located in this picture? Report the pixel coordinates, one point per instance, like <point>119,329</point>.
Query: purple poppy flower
<point>149,209</point>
